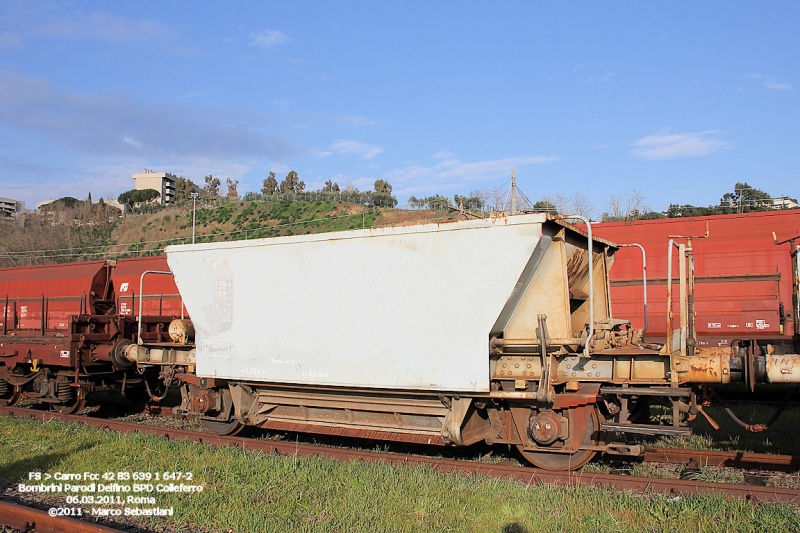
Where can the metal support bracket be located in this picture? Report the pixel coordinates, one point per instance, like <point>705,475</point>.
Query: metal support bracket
<point>451,427</point>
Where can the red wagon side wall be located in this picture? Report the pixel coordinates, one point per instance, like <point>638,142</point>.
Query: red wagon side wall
<point>161,296</point>
<point>67,289</point>
<point>743,281</point>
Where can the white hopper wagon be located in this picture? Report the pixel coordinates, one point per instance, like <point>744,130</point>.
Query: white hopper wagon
<point>401,308</point>
<point>395,323</point>
<point>480,330</point>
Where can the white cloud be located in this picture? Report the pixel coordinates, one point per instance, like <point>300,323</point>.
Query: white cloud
<point>105,137</point>
<point>366,151</point>
<point>607,76</point>
<point>446,175</point>
<point>114,125</point>
<point>771,83</point>
<point>355,120</point>
<point>279,170</point>
<point>267,39</point>
<point>450,171</point>
<point>109,177</point>
<point>783,86</point>
<point>668,146</point>
<point>50,20</point>
<point>102,27</point>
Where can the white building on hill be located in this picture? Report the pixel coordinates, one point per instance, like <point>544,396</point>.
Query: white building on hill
<point>12,207</point>
<point>163,182</point>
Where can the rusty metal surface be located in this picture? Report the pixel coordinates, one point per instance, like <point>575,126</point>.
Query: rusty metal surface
<point>433,438</point>
<point>783,368</point>
<point>25,518</point>
<point>783,463</point>
<point>697,369</point>
<point>742,276</point>
<point>524,474</point>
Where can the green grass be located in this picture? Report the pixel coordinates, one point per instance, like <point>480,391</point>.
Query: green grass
<point>253,492</point>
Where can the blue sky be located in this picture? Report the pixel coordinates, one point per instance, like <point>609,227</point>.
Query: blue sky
<point>678,100</point>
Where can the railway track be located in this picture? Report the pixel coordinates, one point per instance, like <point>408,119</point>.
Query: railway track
<point>764,461</point>
<point>30,520</point>
<point>712,458</point>
<point>521,473</point>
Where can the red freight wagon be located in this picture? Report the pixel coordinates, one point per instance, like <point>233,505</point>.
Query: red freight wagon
<point>61,335</point>
<point>745,285</point>
<point>160,294</point>
<point>55,292</point>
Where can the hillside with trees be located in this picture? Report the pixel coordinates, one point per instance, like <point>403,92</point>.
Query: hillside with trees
<point>69,229</point>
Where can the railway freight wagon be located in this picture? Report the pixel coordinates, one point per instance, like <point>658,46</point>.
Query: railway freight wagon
<point>156,292</point>
<point>746,286</point>
<point>62,334</point>
<point>496,330</point>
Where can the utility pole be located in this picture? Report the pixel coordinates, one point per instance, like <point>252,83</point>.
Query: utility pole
<point>194,196</point>
<point>513,192</point>
<point>740,208</point>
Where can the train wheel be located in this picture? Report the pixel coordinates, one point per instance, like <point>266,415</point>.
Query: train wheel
<point>584,425</point>
<point>223,428</point>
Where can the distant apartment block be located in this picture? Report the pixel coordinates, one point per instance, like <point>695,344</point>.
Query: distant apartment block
<point>784,202</point>
<point>163,182</point>
<point>11,207</point>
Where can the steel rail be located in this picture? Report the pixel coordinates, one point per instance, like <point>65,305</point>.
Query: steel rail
<point>782,463</point>
<point>713,458</point>
<point>23,518</point>
<point>521,473</point>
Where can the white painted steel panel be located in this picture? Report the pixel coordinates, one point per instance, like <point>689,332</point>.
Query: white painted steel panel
<point>402,307</point>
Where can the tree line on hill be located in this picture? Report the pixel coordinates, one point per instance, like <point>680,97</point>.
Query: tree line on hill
<point>743,199</point>
<point>291,187</point>
<point>620,207</point>
<point>628,206</point>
